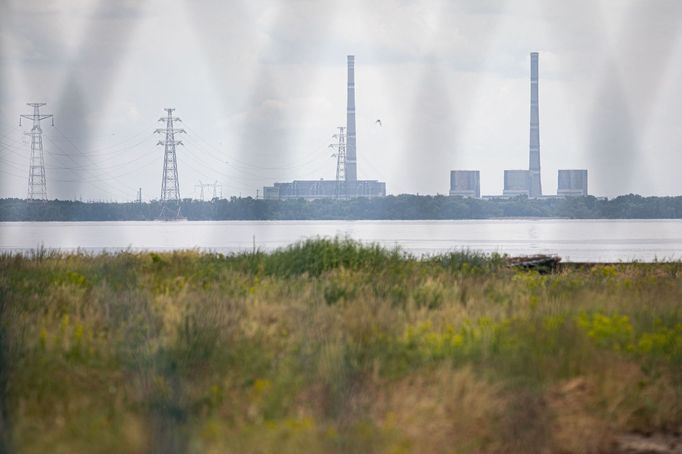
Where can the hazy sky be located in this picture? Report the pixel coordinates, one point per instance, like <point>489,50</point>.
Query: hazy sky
<point>260,86</point>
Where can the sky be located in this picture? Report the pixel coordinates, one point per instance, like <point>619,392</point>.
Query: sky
<point>260,86</point>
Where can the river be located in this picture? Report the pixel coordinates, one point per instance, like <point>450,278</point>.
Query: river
<point>572,240</point>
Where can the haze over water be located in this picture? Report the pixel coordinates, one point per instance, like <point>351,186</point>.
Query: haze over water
<point>572,240</point>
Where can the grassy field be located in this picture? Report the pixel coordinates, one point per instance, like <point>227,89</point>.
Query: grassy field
<point>329,346</point>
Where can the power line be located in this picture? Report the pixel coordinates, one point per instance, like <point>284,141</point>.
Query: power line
<point>126,191</point>
<point>107,148</point>
<point>186,163</point>
<point>217,189</point>
<point>290,166</point>
<point>97,165</point>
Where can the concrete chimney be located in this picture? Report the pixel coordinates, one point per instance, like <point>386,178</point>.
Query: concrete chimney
<point>351,145</point>
<point>535,189</point>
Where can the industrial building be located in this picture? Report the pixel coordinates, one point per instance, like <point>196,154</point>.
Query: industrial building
<point>325,189</point>
<point>529,182</point>
<point>465,183</point>
<point>346,185</point>
<point>526,183</point>
<point>516,183</point>
<point>572,183</point>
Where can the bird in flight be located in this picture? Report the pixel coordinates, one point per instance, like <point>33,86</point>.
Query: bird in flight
<point>378,122</point>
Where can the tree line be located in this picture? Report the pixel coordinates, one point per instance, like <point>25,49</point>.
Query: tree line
<point>400,207</point>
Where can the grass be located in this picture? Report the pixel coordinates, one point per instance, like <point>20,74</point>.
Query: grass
<point>331,346</point>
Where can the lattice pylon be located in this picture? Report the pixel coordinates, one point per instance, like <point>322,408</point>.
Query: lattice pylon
<point>170,184</point>
<point>339,148</point>
<point>37,178</point>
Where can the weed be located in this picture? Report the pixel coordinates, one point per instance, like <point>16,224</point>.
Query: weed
<point>332,346</point>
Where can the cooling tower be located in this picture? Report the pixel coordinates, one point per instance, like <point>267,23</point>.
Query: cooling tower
<point>535,183</point>
<point>351,144</point>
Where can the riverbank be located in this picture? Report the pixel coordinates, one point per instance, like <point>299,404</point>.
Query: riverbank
<point>330,346</point>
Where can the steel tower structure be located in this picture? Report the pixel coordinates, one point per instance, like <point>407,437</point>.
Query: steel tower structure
<point>340,155</point>
<point>535,181</point>
<point>201,187</point>
<point>170,185</point>
<point>218,190</point>
<point>351,144</point>
<point>216,187</point>
<point>37,181</point>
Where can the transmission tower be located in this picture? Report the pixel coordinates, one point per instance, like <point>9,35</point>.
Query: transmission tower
<point>37,183</point>
<point>340,154</point>
<point>170,185</point>
<point>217,190</point>
<point>201,187</point>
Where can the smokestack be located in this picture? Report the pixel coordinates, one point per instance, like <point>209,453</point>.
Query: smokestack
<point>351,146</point>
<point>535,189</point>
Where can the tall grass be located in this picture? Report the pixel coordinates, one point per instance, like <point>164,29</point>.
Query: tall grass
<point>332,346</point>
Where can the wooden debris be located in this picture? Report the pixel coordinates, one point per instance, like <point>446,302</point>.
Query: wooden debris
<point>540,263</point>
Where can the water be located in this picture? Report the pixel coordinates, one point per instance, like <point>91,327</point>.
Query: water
<point>573,240</point>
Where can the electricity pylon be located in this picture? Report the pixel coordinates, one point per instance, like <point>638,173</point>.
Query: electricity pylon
<point>170,185</point>
<point>340,154</point>
<point>201,187</point>
<point>37,181</point>
<point>217,189</point>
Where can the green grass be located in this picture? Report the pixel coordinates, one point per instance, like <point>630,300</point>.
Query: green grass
<point>331,346</point>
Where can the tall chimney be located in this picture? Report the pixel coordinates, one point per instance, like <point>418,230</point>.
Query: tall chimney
<point>535,189</point>
<point>351,146</point>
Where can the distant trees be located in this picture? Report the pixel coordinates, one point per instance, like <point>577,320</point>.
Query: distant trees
<point>406,207</point>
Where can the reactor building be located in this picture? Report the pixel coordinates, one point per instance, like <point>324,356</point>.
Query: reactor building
<point>346,185</point>
<point>465,183</point>
<point>516,183</point>
<point>572,183</point>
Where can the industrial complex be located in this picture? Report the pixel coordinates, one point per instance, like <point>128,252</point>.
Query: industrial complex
<point>463,183</point>
<point>527,183</point>
<point>346,185</point>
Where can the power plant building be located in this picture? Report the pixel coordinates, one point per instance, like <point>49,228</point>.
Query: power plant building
<point>347,188</point>
<point>516,183</point>
<point>572,183</point>
<point>465,183</point>
<point>324,189</point>
<point>529,182</point>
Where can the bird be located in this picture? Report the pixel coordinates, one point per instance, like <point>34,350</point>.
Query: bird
<point>378,122</point>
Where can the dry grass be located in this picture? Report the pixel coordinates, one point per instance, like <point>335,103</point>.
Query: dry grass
<point>333,347</point>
